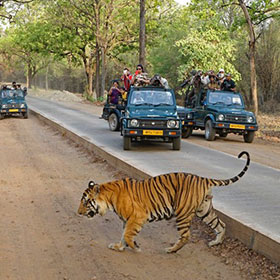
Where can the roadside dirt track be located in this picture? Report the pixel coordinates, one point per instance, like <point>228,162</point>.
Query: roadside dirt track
<point>42,177</point>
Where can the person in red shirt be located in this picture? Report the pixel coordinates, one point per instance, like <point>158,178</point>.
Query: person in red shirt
<point>126,78</point>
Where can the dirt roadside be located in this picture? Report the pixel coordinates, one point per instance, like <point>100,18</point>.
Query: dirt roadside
<point>42,177</point>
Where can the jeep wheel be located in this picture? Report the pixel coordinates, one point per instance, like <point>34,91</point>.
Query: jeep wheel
<point>25,115</point>
<point>126,143</point>
<point>210,132</point>
<point>187,133</point>
<point>114,123</point>
<point>176,143</point>
<point>249,136</point>
<point>1,116</point>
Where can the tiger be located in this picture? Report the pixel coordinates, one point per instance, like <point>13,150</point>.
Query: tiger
<point>180,195</point>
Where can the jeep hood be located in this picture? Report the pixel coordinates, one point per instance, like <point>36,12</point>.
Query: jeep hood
<point>152,112</point>
<point>18,100</point>
<point>229,110</point>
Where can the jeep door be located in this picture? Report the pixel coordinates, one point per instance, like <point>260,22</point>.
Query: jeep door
<point>200,111</point>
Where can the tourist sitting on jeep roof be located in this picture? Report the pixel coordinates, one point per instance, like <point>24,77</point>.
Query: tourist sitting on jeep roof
<point>140,78</point>
<point>228,84</point>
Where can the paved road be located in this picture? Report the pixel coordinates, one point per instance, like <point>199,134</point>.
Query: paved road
<point>254,200</point>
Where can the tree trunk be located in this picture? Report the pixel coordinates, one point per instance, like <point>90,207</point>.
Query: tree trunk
<point>97,72</point>
<point>88,64</point>
<point>253,78</point>
<point>103,71</point>
<point>47,78</point>
<point>252,51</point>
<point>29,76</point>
<point>90,83</point>
<point>142,34</point>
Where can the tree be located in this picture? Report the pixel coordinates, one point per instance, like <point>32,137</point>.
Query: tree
<point>25,43</point>
<point>256,14</point>
<point>9,8</point>
<point>95,27</point>
<point>142,34</point>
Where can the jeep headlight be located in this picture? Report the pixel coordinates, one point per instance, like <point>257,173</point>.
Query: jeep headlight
<point>172,124</point>
<point>250,119</point>
<point>22,105</point>
<point>220,117</point>
<point>134,123</point>
<point>4,106</point>
<point>189,116</point>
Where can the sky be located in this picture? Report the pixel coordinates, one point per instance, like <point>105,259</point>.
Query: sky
<point>182,1</point>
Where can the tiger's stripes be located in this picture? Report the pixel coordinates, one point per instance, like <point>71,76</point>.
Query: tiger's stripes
<point>180,194</point>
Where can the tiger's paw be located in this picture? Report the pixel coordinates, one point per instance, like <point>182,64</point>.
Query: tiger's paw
<point>170,250</point>
<point>116,247</point>
<point>219,239</point>
<point>215,242</point>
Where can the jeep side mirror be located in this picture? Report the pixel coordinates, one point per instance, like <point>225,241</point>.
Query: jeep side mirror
<point>25,91</point>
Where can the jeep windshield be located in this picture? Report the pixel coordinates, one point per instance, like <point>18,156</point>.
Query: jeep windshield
<point>152,98</point>
<point>225,99</point>
<point>8,93</point>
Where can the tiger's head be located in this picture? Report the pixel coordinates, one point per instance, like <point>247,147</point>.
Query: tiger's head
<point>89,203</point>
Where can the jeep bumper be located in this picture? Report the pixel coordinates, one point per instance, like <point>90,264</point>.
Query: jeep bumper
<point>9,111</point>
<point>234,127</point>
<point>188,123</point>
<point>151,133</point>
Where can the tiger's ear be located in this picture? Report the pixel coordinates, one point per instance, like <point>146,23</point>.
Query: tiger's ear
<point>209,196</point>
<point>93,186</point>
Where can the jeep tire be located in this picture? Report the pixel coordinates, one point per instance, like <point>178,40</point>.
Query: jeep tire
<point>114,123</point>
<point>126,143</point>
<point>25,115</point>
<point>176,143</point>
<point>1,116</point>
<point>210,132</point>
<point>249,136</point>
<point>186,133</point>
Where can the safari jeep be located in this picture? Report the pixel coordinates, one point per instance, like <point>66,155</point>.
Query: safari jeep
<point>12,102</point>
<point>151,114</point>
<point>223,112</point>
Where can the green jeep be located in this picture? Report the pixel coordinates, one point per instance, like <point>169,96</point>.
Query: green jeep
<point>223,112</point>
<point>151,114</point>
<point>12,102</point>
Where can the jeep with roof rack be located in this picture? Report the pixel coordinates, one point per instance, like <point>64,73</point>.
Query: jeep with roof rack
<point>222,112</point>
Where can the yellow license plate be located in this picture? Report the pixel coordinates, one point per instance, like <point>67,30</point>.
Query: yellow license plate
<point>13,110</point>
<point>153,132</point>
<point>237,126</point>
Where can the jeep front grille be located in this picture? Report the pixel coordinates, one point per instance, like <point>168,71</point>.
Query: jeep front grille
<point>12,105</point>
<point>154,123</point>
<point>236,118</point>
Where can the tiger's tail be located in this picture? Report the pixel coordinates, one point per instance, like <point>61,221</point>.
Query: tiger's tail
<point>226,182</point>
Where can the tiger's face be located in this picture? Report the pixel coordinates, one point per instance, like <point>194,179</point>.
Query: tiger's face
<point>88,206</point>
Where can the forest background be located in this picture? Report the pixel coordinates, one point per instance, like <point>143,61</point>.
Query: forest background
<point>82,45</point>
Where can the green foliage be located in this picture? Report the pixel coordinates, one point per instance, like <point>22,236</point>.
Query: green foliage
<point>206,50</point>
<point>206,34</point>
<point>196,38</point>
